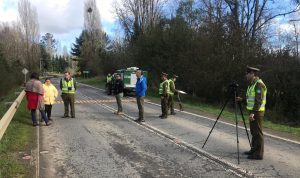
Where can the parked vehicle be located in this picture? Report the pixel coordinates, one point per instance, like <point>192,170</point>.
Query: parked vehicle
<point>129,78</point>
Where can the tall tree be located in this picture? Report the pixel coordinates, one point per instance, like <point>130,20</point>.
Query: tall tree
<point>92,37</point>
<point>30,29</point>
<point>136,16</point>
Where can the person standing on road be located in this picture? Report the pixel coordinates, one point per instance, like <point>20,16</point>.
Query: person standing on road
<point>140,91</point>
<point>49,96</point>
<point>68,87</point>
<point>34,95</point>
<point>164,95</point>
<point>118,92</point>
<point>109,83</point>
<point>256,102</point>
<point>172,91</point>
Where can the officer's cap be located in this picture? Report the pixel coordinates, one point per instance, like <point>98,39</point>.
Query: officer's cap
<point>164,74</point>
<point>250,69</point>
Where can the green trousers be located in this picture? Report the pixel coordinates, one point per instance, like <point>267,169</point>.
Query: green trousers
<point>119,101</point>
<point>164,106</point>
<point>171,104</point>
<point>68,99</point>
<point>257,134</point>
<point>140,103</point>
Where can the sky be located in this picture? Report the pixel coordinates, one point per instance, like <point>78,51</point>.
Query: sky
<point>62,18</point>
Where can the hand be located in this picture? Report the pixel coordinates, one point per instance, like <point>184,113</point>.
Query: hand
<point>238,99</point>
<point>251,117</point>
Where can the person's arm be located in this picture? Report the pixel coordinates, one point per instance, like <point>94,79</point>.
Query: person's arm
<point>165,89</point>
<point>144,85</point>
<point>259,96</point>
<point>55,91</point>
<point>172,86</point>
<point>75,84</point>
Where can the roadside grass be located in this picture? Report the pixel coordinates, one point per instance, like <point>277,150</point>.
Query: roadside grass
<point>195,105</point>
<point>18,139</point>
<point>94,81</point>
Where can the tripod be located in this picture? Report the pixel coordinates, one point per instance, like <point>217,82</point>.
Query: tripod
<point>236,106</point>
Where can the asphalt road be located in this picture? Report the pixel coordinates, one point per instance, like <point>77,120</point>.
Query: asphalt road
<point>98,143</point>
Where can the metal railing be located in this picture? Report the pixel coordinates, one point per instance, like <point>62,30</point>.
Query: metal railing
<point>5,121</point>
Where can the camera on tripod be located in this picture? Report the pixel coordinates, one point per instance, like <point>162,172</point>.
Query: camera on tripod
<point>233,94</point>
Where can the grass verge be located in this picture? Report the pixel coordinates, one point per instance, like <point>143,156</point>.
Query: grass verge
<point>19,139</point>
<point>195,105</point>
<point>95,81</point>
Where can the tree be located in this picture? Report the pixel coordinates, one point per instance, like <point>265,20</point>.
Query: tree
<point>30,29</point>
<point>92,37</point>
<point>136,16</point>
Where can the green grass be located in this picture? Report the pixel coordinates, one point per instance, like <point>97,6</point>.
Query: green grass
<point>18,139</point>
<point>194,104</point>
<point>94,81</point>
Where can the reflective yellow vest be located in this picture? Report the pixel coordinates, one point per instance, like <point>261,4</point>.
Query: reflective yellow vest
<point>170,92</point>
<point>108,79</point>
<point>161,87</point>
<point>251,96</point>
<point>68,87</point>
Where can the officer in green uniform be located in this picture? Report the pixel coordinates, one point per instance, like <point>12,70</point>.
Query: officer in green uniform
<point>68,87</point>
<point>256,102</point>
<point>164,95</point>
<point>109,84</point>
<point>172,91</point>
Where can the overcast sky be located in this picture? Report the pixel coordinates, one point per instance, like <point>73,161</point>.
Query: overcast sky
<point>62,18</point>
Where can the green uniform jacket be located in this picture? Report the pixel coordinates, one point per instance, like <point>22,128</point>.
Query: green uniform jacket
<point>259,88</point>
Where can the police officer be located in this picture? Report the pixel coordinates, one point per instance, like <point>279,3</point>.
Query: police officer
<point>109,84</point>
<point>172,91</point>
<point>164,95</point>
<point>256,102</point>
<point>68,87</point>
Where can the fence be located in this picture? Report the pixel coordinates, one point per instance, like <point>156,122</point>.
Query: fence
<point>5,121</point>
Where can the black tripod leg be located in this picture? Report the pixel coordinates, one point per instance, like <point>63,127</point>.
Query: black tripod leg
<point>236,127</point>
<point>245,124</point>
<point>216,121</point>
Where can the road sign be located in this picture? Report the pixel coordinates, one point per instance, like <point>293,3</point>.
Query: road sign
<point>25,71</point>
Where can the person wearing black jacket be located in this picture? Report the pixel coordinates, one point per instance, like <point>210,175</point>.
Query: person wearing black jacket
<point>118,91</point>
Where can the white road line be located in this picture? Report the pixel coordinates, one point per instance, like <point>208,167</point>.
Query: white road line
<point>197,115</point>
<point>199,152</point>
<point>265,133</point>
<point>38,148</point>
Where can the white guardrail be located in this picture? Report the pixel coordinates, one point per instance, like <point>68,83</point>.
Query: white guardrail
<point>4,122</point>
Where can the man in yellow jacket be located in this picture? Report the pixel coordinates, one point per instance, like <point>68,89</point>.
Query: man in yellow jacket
<point>50,93</point>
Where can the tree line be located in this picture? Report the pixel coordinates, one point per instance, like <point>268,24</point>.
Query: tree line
<point>21,47</point>
<point>208,43</point>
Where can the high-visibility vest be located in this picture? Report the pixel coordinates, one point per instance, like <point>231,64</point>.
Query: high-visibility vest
<point>108,79</point>
<point>169,86</point>
<point>66,85</point>
<point>251,96</point>
<point>161,87</point>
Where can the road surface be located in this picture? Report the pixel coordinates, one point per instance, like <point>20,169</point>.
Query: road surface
<point>98,143</point>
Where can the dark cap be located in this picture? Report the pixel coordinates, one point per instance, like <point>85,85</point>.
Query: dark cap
<point>164,74</point>
<point>249,69</point>
<point>175,76</point>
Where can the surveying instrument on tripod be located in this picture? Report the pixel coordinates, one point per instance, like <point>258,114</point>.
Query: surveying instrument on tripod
<point>233,94</point>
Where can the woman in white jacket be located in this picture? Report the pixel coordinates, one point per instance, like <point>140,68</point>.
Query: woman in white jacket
<point>49,96</point>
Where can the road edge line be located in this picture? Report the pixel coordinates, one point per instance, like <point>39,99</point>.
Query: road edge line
<point>234,168</point>
<point>197,115</point>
